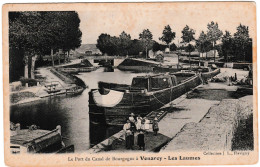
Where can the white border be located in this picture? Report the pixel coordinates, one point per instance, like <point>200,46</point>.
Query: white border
<point>49,1</point>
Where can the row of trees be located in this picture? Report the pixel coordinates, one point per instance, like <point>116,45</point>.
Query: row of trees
<point>237,46</point>
<point>34,34</point>
<point>124,45</point>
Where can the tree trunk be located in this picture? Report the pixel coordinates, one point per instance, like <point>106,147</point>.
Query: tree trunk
<point>206,55</point>
<point>146,52</point>
<point>33,66</point>
<point>199,58</point>
<point>214,51</point>
<point>244,52</point>
<point>64,57</point>
<point>68,55</point>
<point>169,48</point>
<point>189,60</point>
<point>178,60</point>
<point>52,59</point>
<point>59,56</point>
<point>26,68</point>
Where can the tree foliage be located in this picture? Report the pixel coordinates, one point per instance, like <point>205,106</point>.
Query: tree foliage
<point>227,45</point>
<point>189,48</point>
<point>167,35</point>
<point>241,39</point>
<point>146,37</point>
<point>125,42</point>
<point>122,45</point>
<point>36,33</point>
<point>187,34</point>
<point>203,44</point>
<point>214,34</point>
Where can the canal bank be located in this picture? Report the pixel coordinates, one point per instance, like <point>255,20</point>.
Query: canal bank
<point>216,131</point>
<point>51,78</point>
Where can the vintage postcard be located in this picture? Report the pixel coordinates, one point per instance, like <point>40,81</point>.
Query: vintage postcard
<point>130,84</point>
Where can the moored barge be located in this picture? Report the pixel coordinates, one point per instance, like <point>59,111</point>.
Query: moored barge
<point>145,94</point>
<point>35,140</point>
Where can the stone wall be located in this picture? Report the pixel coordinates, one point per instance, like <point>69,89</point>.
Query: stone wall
<point>216,129</point>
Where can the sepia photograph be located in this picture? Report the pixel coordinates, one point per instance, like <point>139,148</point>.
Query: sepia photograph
<point>170,83</point>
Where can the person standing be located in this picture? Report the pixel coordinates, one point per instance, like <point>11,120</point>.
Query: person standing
<point>126,128</point>
<point>138,122</point>
<point>140,140</point>
<point>131,118</point>
<point>155,126</point>
<point>146,124</point>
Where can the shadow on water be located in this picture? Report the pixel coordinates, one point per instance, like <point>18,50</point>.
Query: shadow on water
<point>99,132</point>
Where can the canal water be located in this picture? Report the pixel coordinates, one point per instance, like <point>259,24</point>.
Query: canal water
<point>72,112</point>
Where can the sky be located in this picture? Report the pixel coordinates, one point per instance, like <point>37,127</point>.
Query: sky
<point>133,18</point>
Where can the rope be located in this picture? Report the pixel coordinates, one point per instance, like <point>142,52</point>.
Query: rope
<point>160,101</point>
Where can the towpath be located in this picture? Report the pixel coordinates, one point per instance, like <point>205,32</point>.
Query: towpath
<point>39,90</point>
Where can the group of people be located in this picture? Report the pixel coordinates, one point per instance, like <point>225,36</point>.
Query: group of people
<point>136,128</point>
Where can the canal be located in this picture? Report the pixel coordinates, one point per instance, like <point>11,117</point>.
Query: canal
<point>71,112</point>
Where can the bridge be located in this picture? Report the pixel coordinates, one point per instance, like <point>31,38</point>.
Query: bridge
<point>104,57</point>
<point>114,60</point>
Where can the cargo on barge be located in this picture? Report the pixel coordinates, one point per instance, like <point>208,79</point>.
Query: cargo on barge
<point>34,140</point>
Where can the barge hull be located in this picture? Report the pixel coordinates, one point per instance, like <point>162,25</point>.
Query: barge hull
<point>142,105</point>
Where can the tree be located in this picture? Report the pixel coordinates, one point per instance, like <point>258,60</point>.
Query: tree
<point>187,37</point>
<point>241,37</point>
<point>136,47</point>
<point>173,47</point>
<point>214,34</point>
<point>71,34</point>
<point>24,35</point>
<point>146,37</point>
<point>227,45</point>
<point>167,35</point>
<point>108,44</point>
<point>203,44</point>
<point>125,42</point>
<point>200,43</point>
<point>157,46</point>
<point>38,33</point>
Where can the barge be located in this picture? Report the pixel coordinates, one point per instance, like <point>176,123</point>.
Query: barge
<point>34,140</point>
<point>146,93</point>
